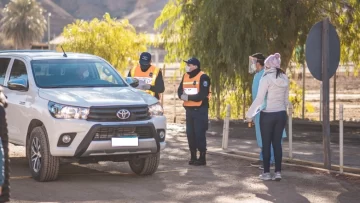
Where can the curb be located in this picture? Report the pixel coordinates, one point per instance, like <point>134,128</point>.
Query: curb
<point>349,171</point>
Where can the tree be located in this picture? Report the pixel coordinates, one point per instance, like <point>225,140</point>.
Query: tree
<point>224,33</point>
<point>23,22</point>
<point>345,14</point>
<point>5,43</point>
<point>115,41</point>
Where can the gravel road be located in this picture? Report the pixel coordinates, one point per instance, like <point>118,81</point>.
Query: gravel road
<point>225,180</point>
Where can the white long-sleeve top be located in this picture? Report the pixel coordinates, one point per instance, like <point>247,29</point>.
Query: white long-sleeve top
<point>277,91</point>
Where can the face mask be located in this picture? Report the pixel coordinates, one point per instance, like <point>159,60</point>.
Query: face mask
<point>252,65</point>
<point>86,74</point>
<point>187,68</point>
<point>144,67</point>
<point>253,68</point>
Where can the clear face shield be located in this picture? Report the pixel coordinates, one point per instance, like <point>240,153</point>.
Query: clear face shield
<point>252,65</point>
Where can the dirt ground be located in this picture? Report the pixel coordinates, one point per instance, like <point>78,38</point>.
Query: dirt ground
<point>224,179</point>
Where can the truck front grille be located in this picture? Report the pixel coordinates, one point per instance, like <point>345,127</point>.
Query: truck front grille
<point>106,133</point>
<point>109,113</point>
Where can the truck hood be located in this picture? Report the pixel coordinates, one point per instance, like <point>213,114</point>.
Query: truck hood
<point>97,96</point>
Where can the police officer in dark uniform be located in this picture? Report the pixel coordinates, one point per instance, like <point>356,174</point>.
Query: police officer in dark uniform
<point>150,76</point>
<point>194,90</point>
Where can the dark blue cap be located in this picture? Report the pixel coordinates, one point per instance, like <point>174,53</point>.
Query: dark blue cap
<point>145,58</point>
<point>193,61</point>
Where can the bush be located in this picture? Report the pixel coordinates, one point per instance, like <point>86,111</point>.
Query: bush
<point>115,41</point>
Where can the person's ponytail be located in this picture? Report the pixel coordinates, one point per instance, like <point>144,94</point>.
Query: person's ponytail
<point>278,72</point>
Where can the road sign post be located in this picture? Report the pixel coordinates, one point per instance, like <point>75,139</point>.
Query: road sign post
<point>322,57</point>
<point>326,92</point>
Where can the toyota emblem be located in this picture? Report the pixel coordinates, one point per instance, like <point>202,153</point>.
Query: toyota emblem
<point>123,114</point>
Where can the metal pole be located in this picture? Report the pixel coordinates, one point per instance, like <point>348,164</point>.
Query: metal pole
<point>303,96</point>
<point>334,110</point>
<point>341,139</point>
<point>325,80</point>
<point>49,30</point>
<point>290,130</point>
<point>174,100</point>
<point>226,128</point>
<point>224,132</point>
<point>321,101</point>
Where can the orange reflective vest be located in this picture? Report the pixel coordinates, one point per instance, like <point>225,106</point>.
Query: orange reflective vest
<point>191,86</point>
<point>149,77</point>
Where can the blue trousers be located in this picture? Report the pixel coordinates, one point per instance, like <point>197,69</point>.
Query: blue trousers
<point>196,126</point>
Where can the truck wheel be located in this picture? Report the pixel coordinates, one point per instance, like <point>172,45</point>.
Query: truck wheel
<point>145,166</point>
<point>43,166</point>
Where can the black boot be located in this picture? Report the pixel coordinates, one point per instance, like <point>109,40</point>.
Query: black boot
<point>202,160</point>
<point>193,158</point>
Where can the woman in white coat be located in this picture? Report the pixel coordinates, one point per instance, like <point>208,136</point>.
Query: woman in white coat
<point>274,88</point>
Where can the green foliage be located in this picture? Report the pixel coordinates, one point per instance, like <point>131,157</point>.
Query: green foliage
<point>222,34</point>
<point>346,17</point>
<point>23,22</point>
<point>115,41</point>
<point>296,100</point>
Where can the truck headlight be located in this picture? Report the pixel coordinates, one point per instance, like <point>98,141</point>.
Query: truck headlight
<point>156,110</point>
<point>67,112</point>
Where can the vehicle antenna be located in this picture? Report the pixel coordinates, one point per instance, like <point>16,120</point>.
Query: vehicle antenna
<point>63,51</point>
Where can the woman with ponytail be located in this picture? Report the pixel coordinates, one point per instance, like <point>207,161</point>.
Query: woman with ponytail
<point>274,89</point>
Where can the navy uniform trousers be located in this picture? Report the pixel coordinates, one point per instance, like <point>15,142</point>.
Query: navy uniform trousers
<point>197,120</point>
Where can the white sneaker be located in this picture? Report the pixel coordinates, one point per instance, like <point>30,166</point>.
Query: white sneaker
<point>277,176</point>
<point>265,176</point>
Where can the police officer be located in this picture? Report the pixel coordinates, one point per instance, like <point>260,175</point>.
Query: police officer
<point>194,90</point>
<point>150,77</point>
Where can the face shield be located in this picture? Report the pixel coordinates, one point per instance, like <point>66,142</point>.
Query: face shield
<point>252,64</point>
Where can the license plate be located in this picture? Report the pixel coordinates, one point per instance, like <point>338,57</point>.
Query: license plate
<point>125,141</point>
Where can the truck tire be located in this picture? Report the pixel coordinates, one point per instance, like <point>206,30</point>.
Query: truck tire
<point>145,166</point>
<point>43,166</point>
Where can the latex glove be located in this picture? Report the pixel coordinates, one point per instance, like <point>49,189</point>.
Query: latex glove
<point>184,97</point>
<point>144,87</point>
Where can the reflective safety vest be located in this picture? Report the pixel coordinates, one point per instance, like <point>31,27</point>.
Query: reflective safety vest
<point>149,77</point>
<point>191,86</point>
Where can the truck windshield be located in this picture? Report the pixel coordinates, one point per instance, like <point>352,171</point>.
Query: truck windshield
<point>67,73</point>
